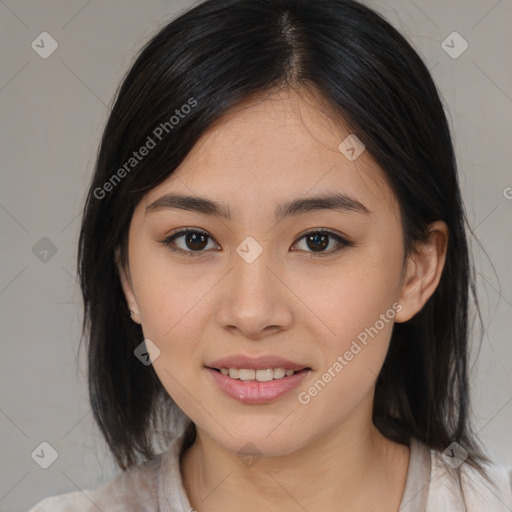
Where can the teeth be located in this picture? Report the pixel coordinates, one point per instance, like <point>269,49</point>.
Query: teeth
<point>279,373</point>
<point>265,375</point>
<point>246,374</point>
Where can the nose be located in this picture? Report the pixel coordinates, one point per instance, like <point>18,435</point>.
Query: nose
<point>255,299</point>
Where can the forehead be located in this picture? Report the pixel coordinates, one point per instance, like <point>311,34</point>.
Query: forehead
<point>275,149</point>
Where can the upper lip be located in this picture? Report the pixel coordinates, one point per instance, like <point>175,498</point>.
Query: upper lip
<point>257,363</point>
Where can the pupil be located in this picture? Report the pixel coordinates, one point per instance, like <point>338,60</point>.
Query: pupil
<point>314,238</point>
<point>194,237</point>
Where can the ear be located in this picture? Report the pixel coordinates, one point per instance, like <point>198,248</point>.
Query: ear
<point>423,273</point>
<point>127,286</point>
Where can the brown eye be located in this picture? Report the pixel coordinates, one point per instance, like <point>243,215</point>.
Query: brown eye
<point>193,241</point>
<point>316,241</point>
<point>319,241</point>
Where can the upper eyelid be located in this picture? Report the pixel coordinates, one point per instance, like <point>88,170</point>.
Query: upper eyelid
<point>182,232</point>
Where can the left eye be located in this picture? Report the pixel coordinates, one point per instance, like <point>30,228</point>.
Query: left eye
<point>318,240</point>
<point>196,241</point>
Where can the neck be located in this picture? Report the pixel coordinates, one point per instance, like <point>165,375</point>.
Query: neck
<point>351,468</point>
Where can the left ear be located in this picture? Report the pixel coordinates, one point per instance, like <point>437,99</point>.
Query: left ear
<point>424,268</point>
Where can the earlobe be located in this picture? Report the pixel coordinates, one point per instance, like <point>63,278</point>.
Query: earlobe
<point>127,286</point>
<point>424,270</point>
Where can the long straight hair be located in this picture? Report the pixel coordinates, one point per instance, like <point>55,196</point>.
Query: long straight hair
<point>196,70</point>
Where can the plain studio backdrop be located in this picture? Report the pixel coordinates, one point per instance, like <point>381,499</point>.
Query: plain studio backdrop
<point>54,101</point>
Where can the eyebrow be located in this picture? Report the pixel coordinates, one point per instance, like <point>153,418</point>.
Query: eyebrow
<point>334,201</point>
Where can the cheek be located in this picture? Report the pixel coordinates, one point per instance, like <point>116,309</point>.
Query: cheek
<point>358,305</point>
<point>173,306</point>
<point>361,314</point>
<point>171,297</point>
<point>352,297</point>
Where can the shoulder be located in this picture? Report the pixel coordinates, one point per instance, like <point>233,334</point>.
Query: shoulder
<point>133,490</point>
<point>461,487</point>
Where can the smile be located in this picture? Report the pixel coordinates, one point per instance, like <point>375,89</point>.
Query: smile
<point>248,374</point>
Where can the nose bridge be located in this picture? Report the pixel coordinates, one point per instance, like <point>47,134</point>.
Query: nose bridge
<point>251,275</point>
<point>255,299</point>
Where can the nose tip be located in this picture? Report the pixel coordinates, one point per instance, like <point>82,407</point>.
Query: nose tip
<point>254,302</point>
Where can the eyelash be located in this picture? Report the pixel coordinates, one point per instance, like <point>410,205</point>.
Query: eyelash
<point>167,242</point>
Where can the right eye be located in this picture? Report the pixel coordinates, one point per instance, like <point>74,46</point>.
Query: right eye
<point>193,243</point>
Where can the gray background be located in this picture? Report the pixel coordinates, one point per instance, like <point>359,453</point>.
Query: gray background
<point>53,111</point>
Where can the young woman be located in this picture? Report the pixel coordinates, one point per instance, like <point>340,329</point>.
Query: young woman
<point>273,252</point>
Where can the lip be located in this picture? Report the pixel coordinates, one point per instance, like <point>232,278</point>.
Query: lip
<point>255,363</point>
<point>254,392</point>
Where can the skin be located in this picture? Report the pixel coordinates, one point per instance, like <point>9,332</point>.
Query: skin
<point>326,455</point>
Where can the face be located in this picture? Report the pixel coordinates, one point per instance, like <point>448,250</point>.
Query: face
<point>318,288</point>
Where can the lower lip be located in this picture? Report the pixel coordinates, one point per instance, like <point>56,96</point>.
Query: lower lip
<point>255,392</point>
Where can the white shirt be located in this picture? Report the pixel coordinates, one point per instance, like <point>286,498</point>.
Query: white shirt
<point>432,485</point>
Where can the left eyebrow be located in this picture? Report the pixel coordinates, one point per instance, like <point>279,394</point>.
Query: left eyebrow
<point>334,201</point>
<point>339,202</point>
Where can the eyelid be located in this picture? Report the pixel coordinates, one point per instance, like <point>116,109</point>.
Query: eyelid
<point>341,239</point>
<point>322,230</point>
<point>189,229</point>
<point>167,241</point>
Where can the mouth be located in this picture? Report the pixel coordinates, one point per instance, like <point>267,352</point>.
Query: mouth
<point>257,386</point>
<point>256,379</point>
